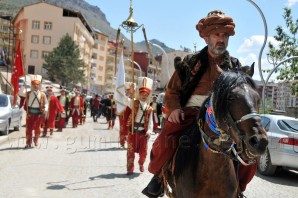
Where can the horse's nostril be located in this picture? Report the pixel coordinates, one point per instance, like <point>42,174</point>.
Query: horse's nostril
<point>253,141</point>
<point>263,144</point>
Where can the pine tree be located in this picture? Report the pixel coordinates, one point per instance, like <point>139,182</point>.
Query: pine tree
<point>63,64</point>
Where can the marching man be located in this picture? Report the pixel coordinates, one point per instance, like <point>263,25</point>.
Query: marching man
<point>53,107</point>
<point>35,104</point>
<point>62,117</point>
<point>123,118</point>
<point>143,124</point>
<point>76,108</point>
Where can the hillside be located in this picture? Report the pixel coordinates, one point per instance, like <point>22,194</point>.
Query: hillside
<point>93,14</point>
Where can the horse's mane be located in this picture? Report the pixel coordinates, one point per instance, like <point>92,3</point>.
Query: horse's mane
<point>226,82</point>
<point>188,154</point>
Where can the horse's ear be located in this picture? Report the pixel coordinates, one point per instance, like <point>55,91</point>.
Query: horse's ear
<point>252,69</point>
<point>249,70</point>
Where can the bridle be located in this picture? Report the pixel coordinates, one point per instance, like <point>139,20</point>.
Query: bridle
<point>224,137</point>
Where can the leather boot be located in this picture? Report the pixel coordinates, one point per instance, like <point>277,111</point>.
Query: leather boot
<point>155,186</point>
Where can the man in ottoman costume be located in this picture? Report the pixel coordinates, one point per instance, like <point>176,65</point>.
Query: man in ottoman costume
<point>35,104</point>
<point>76,108</point>
<point>62,117</point>
<point>54,107</point>
<point>187,89</point>
<point>143,125</point>
<point>123,117</point>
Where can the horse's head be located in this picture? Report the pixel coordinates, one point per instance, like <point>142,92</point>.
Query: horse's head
<point>235,102</point>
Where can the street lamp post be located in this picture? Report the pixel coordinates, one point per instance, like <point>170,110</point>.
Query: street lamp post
<point>137,64</point>
<point>167,58</point>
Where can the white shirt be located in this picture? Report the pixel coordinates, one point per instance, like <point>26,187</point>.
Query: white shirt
<point>145,105</point>
<point>34,99</point>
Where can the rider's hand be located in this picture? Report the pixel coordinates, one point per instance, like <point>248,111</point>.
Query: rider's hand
<point>176,116</point>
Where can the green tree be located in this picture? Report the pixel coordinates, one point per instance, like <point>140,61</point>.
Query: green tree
<point>287,47</point>
<point>63,64</point>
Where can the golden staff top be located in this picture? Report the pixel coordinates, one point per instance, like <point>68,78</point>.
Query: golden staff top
<point>130,25</point>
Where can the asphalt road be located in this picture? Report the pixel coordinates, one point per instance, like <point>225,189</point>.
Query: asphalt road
<point>87,162</point>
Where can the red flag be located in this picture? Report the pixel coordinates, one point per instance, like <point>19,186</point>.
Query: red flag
<point>17,72</point>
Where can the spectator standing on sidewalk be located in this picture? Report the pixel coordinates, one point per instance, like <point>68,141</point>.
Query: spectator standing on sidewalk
<point>95,107</point>
<point>111,111</point>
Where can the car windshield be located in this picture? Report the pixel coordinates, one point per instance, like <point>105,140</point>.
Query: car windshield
<point>288,125</point>
<point>3,101</point>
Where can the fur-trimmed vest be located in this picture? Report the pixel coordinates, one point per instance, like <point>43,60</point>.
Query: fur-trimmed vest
<point>189,79</point>
<point>146,117</point>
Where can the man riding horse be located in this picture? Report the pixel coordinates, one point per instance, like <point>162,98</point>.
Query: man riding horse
<point>188,88</point>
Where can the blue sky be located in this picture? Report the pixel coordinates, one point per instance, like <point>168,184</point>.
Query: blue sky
<point>173,22</point>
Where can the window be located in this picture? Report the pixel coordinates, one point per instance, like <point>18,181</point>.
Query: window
<point>102,38</point>
<point>47,25</point>
<point>102,48</point>
<point>35,24</point>
<point>34,39</point>
<point>100,68</point>
<point>31,69</point>
<point>47,40</point>
<point>95,46</point>
<point>34,54</point>
<point>44,54</point>
<point>101,58</point>
<point>99,78</point>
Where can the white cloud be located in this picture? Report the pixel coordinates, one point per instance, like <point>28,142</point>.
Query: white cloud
<point>290,3</point>
<point>254,43</point>
<point>252,57</point>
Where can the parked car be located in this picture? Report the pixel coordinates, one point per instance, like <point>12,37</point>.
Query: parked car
<point>282,149</point>
<point>10,115</point>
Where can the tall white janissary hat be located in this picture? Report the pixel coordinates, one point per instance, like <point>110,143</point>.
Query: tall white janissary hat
<point>36,79</point>
<point>127,85</point>
<point>145,84</point>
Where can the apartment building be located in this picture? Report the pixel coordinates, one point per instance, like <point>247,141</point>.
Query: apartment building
<point>42,25</point>
<point>111,69</point>
<point>278,96</point>
<point>149,69</point>
<point>6,39</point>
<point>98,61</point>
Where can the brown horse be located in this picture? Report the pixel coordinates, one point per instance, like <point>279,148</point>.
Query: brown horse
<point>228,130</point>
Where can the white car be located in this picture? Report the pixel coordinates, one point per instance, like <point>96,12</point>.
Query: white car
<point>282,149</point>
<point>10,115</point>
